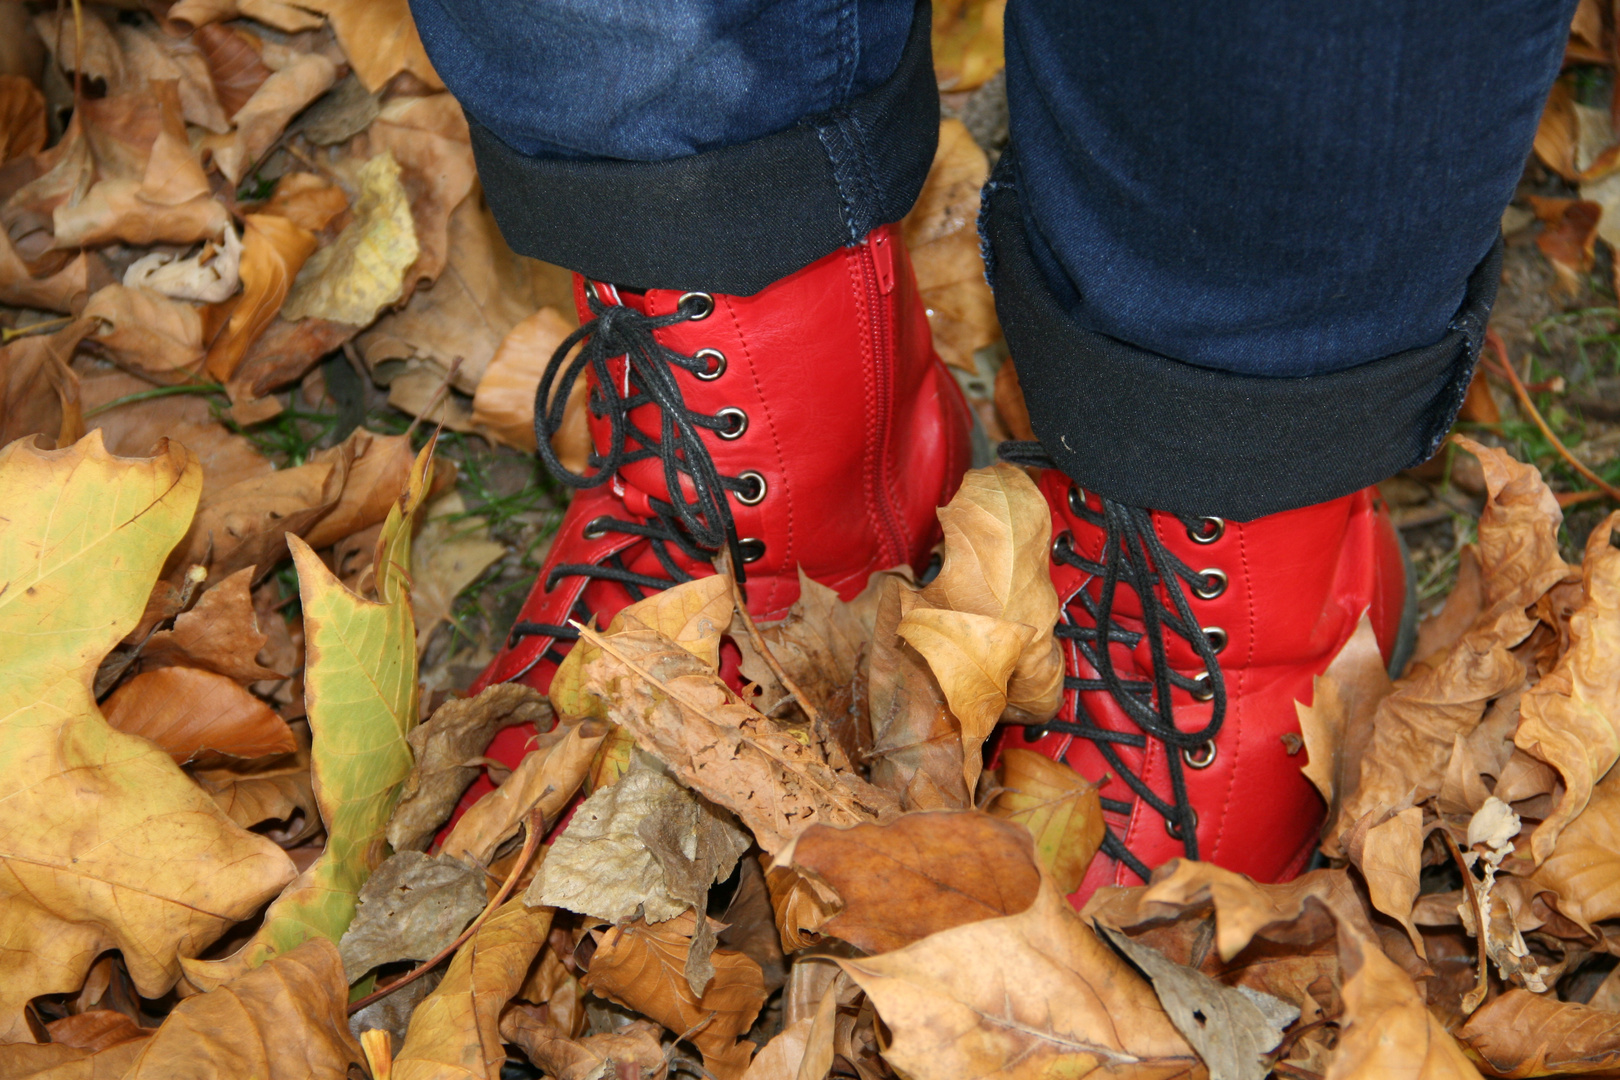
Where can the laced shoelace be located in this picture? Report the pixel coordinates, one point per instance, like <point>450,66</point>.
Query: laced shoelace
<point>699,527</point>
<point>1134,556</point>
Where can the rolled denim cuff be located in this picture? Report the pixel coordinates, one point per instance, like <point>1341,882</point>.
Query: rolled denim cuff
<point>735,219</point>
<point>1151,431</point>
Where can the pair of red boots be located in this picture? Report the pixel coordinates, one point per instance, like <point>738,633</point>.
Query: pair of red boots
<point>811,425</point>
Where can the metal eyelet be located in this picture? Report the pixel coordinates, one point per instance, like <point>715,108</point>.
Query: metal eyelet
<point>1215,584</point>
<point>717,364</point>
<point>738,425</point>
<point>1205,692</point>
<point>595,528</point>
<point>702,309</point>
<point>1077,499</point>
<point>1174,827</point>
<point>1210,529</point>
<point>752,549</point>
<point>1216,637</point>
<point>1063,541</point>
<point>1199,757</point>
<point>755,496</point>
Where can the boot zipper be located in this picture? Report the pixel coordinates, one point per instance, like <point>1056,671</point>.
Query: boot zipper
<point>877,271</point>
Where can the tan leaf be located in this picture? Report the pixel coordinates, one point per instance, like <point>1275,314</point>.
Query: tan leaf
<point>681,712</point>
<point>1031,995</point>
<point>1059,807</point>
<point>259,122</point>
<point>307,200</point>
<point>1571,718</point>
<point>284,1021</point>
<point>188,15</point>
<point>147,332</point>
<point>1583,868</point>
<point>134,428</point>
<point>917,746</point>
<point>151,56</point>
<point>1391,859</point>
<point>454,736</point>
<point>1337,724</point>
<point>22,117</point>
<point>411,907</point>
<point>547,777</point>
<point>643,967</point>
<point>453,549</point>
<point>219,634</point>
<point>211,275</point>
<point>380,471</point>
<point>379,38</point>
<point>1524,1034</point>
<point>273,250</point>
<point>363,270</point>
<point>39,392</point>
<point>968,43</point>
<point>819,644</point>
<point>194,714</point>
<point>941,232</point>
<point>503,403</point>
<point>635,1046</point>
<point>919,874</point>
<point>252,793</point>
<point>972,658</point>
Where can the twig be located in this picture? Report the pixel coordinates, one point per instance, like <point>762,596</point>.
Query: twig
<point>156,392</point>
<point>8,335</point>
<point>1481,984</point>
<point>1505,368</point>
<point>536,825</point>
<point>723,565</point>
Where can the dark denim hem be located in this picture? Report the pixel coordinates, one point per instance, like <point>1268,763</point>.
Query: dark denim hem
<point>1150,431</point>
<point>731,220</point>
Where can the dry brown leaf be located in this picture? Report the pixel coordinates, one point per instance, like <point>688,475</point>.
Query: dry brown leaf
<point>1031,995</point>
<point>147,332</point>
<point>547,778</point>
<point>22,117</point>
<point>1571,718</point>
<point>380,39</point>
<point>194,714</point>
<point>220,634</point>
<point>634,1046</point>
<point>919,874</point>
<point>63,34</point>
<point>60,1061</point>
<point>59,286</point>
<point>307,200</point>
<point>273,250</point>
<point>1525,1034</point>
<point>95,1030</point>
<point>1337,724</point>
<point>151,56</point>
<point>1059,807</point>
<point>1583,869</point>
<point>39,392</point>
<point>968,43</point>
<point>917,745</point>
<point>941,232</point>
<point>1387,1030</point>
<point>503,403</point>
<point>264,116</point>
<point>211,275</point>
<point>252,793</point>
<point>680,711</point>
<point>643,967</point>
<point>189,15</point>
<point>234,64</point>
<point>363,271</point>
<point>284,1021</point>
<point>411,907</point>
<point>819,643</point>
<point>1568,237</point>
<point>380,471</point>
<point>452,550</point>
<point>455,1031</point>
<point>1391,859</point>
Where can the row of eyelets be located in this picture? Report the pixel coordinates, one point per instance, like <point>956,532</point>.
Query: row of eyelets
<point>1208,530</point>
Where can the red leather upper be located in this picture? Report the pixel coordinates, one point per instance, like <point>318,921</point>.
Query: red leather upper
<point>1296,585</point>
<point>856,427</point>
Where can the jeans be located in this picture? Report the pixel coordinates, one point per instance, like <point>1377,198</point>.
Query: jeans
<point>1254,188</point>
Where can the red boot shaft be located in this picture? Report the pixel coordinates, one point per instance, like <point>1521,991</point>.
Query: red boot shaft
<point>1275,599</point>
<point>832,426</point>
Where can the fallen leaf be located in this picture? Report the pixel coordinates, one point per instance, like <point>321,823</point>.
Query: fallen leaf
<point>363,270</point>
<point>273,250</point>
<point>235,65</point>
<point>307,200</point>
<point>682,713</point>
<point>453,549</point>
<point>252,793</point>
<point>104,843</point>
<point>633,1046</point>
<point>380,39</point>
<point>613,861</point>
<point>59,1061</point>
<point>941,234</point>
<point>1232,1031</point>
<point>95,1030</point>
<point>284,1021</point>
<point>360,691</point>
<point>546,778</point>
<point>1569,718</point>
<point>220,633</point>
<point>643,967</point>
<point>39,394</point>
<point>193,714</point>
<point>1583,868</point>
<point>819,644</point>
<point>344,112</point>
<point>919,874</point>
<point>264,116</point>
<point>411,907</point>
<point>1060,808</point>
<point>444,745</point>
<point>147,332</point>
<point>64,35</point>
<point>503,403</point>
<point>1391,861</point>
<point>22,117</point>
<point>967,42</point>
<point>1338,723</point>
<point>151,56</point>
<point>1023,996</point>
<point>189,15</point>
<point>455,1031</point>
<point>751,924</point>
<point>917,746</point>
<point>381,469</point>
<point>1568,238</point>
<point>1524,1034</point>
<point>210,276</point>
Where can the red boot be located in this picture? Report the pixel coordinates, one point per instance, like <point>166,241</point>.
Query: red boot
<point>1242,617</point>
<point>810,424</point>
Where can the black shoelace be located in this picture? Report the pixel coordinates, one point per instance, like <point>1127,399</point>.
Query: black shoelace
<point>1133,555</point>
<point>699,528</point>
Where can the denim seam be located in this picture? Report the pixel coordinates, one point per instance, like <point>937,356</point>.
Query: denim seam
<point>845,143</point>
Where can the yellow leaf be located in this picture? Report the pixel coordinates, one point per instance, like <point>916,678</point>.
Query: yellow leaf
<point>363,270</point>
<point>104,842</point>
<point>1059,807</point>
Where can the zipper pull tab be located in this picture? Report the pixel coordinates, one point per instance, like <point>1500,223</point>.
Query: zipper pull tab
<point>881,242</point>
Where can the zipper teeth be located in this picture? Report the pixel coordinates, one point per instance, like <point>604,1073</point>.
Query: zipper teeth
<point>883,357</point>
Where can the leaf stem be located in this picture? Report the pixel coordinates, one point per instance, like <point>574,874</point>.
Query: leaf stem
<point>811,713</point>
<point>156,392</point>
<point>1504,368</point>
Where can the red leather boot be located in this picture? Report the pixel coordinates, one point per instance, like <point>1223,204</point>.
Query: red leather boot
<point>808,425</point>
<point>1186,709</point>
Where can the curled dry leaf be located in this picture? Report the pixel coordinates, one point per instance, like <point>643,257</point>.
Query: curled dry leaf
<point>210,276</point>
<point>1337,724</point>
<point>104,843</point>
<point>1060,808</point>
<point>147,332</point>
<point>446,748</point>
<point>643,967</point>
<point>918,874</point>
<point>363,271</point>
<point>307,200</point>
<point>1583,869</point>
<point>262,118</point>
<point>189,15</point>
<point>22,117</point>
<point>1024,996</point>
<point>273,250</point>
<point>220,633</point>
<point>917,745</point>
<point>235,64</point>
<point>380,39</point>
<point>819,644</point>
<point>503,403</point>
<point>151,56</point>
<point>194,714</point>
<point>455,1031</point>
<point>410,908</point>
<point>1524,1034</point>
<point>39,392</point>
<point>635,1046</point>
<point>252,793</point>
<point>381,470</point>
<point>1391,860</point>
<point>1571,717</point>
